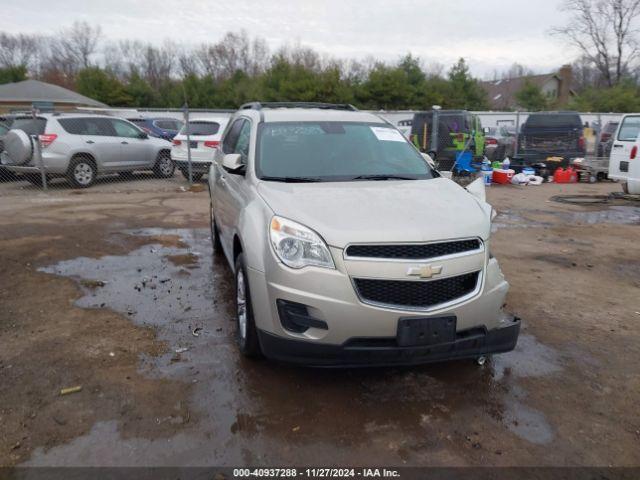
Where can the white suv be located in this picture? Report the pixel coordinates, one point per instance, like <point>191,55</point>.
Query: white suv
<point>80,147</point>
<point>348,247</point>
<point>204,135</point>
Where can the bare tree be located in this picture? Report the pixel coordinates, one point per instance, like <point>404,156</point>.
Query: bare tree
<point>235,52</point>
<point>76,45</point>
<point>605,33</point>
<point>515,71</point>
<point>18,50</point>
<point>158,63</point>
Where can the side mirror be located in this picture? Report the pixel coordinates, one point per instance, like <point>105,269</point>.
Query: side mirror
<point>143,136</point>
<point>485,130</point>
<point>232,162</point>
<point>429,160</point>
<point>477,189</point>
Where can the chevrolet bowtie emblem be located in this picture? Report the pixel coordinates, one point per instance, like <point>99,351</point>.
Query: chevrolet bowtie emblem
<point>425,271</point>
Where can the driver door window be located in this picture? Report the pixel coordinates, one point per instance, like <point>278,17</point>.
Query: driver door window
<point>242,145</point>
<point>123,129</point>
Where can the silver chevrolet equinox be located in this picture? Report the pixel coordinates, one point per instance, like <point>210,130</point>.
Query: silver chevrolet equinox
<point>348,247</point>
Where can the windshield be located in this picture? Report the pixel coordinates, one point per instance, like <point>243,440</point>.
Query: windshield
<point>197,128</point>
<point>336,151</point>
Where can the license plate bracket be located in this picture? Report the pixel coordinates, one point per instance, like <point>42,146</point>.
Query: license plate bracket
<point>417,331</point>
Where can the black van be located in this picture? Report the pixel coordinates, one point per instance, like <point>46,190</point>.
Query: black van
<point>552,135</point>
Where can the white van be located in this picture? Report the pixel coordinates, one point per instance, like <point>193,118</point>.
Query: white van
<point>624,162</point>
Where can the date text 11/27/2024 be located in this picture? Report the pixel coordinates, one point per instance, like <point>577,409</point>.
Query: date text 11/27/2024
<point>315,473</point>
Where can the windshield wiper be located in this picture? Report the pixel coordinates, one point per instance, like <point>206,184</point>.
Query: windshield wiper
<point>382,177</point>
<point>292,179</point>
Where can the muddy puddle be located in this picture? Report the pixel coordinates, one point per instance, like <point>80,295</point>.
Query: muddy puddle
<point>620,215</point>
<point>258,412</point>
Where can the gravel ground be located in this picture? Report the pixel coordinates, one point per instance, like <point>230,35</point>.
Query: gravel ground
<point>114,289</point>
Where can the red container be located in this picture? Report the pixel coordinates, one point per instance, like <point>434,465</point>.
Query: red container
<point>502,176</point>
<point>568,175</point>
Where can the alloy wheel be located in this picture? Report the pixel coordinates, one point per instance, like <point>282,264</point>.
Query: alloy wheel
<point>83,173</point>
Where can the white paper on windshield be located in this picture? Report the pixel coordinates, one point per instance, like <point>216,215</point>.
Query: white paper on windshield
<point>387,134</point>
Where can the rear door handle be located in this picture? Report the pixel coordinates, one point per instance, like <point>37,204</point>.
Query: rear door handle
<point>617,145</point>
<point>124,143</point>
<point>90,142</point>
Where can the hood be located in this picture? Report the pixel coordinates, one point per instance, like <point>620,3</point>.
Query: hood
<point>380,211</point>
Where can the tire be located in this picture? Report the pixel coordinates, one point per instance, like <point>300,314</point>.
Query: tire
<point>194,175</point>
<point>215,235</point>
<point>500,153</point>
<point>82,172</point>
<point>164,167</point>
<point>247,334</point>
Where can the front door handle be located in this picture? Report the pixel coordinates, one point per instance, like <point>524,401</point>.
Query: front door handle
<point>124,143</point>
<point>90,142</point>
<point>617,145</point>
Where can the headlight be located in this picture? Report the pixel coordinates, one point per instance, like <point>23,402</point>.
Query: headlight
<point>298,246</point>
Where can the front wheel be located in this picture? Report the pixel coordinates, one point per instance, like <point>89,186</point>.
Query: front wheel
<point>247,334</point>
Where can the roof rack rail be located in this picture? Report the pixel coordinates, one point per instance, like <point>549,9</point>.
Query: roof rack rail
<point>320,105</point>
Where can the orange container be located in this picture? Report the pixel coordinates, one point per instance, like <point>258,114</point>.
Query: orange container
<point>568,175</point>
<point>502,176</point>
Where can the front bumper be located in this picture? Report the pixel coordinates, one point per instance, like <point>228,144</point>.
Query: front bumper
<point>383,351</point>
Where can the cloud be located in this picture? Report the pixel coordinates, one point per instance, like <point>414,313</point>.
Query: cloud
<point>491,34</point>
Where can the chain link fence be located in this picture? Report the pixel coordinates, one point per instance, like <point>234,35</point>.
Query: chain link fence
<point>79,149</point>
<point>173,148</point>
<point>544,141</point>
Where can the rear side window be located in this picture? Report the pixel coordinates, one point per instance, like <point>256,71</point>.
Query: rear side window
<point>554,121</point>
<point>87,126</point>
<point>630,129</point>
<point>199,128</point>
<point>30,125</point>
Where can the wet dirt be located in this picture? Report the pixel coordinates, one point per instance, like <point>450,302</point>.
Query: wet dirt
<point>565,396</point>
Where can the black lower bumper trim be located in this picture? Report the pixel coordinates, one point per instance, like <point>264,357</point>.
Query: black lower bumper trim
<point>196,167</point>
<point>470,344</point>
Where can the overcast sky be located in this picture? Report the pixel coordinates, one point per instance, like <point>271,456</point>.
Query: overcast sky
<point>490,34</point>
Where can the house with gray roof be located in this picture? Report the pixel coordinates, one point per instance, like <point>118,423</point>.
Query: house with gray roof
<point>30,94</point>
<point>501,94</point>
